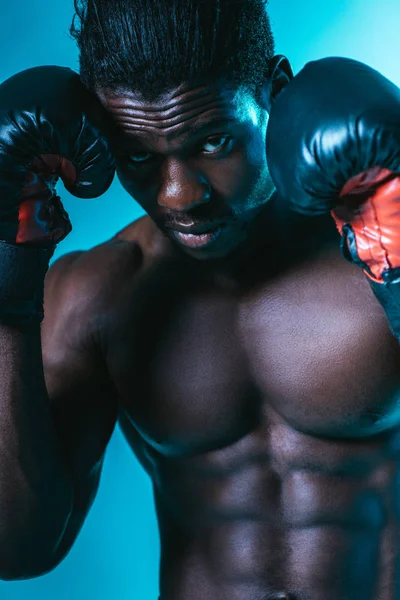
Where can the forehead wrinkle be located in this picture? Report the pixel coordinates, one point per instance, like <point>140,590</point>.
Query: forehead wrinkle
<point>182,118</point>
<point>181,130</point>
<point>131,112</point>
<point>128,104</point>
<point>169,124</point>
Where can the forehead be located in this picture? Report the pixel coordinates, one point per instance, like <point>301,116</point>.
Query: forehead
<point>179,112</point>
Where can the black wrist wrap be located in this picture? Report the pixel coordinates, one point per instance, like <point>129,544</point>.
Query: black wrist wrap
<point>22,272</point>
<point>388,294</point>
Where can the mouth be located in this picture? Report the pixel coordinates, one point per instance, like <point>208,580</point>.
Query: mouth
<point>198,240</point>
<point>197,235</point>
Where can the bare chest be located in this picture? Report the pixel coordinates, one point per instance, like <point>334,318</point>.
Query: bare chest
<point>199,367</point>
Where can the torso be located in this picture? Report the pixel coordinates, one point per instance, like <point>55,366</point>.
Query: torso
<point>266,413</point>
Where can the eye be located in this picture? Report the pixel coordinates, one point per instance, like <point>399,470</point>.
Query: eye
<point>216,143</point>
<point>140,158</point>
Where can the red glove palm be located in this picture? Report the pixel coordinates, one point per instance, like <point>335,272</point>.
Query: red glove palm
<point>371,208</point>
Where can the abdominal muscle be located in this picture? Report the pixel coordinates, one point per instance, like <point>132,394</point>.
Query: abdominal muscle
<point>314,519</point>
<point>216,398</point>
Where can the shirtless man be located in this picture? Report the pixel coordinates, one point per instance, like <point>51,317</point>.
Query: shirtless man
<point>251,368</point>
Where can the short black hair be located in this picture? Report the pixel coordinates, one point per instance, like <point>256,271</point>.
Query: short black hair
<point>152,46</point>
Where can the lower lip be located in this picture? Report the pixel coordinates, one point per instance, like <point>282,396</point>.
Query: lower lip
<point>198,240</point>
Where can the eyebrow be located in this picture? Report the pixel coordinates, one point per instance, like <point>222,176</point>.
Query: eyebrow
<point>190,134</point>
<point>207,125</point>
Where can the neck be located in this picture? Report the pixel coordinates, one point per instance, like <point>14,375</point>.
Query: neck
<point>277,239</point>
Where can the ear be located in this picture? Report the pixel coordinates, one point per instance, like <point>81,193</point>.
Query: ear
<point>280,74</point>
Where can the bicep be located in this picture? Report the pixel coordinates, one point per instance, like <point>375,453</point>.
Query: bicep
<point>82,397</point>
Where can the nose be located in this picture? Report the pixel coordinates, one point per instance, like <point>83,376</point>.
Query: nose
<point>182,188</point>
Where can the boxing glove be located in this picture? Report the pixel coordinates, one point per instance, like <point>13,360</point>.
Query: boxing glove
<point>51,127</point>
<point>333,144</point>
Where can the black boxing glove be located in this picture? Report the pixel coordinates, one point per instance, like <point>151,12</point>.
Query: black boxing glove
<point>51,127</point>
<point>333,144</point>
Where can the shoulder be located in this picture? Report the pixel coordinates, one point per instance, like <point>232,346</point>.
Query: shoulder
<point>83,269</point>
<point>82,284</point>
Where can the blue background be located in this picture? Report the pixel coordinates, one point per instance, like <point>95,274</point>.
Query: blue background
<point>116,555</point>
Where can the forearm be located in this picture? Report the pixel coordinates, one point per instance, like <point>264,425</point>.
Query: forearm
<point>36,492</point>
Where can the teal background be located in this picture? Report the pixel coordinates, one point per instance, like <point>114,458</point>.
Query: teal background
<point>116,555</point>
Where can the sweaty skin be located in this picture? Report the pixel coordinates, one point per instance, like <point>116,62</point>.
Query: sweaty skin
<point>254,375</point>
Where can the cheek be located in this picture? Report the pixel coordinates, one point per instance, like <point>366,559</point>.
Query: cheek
<point>144,194</point>
<point>255,150</point>
<point>248,173</point>
<point>228,177</point>
<point>251,184</point>
<point>260,181</point>
<point>235,177</point>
